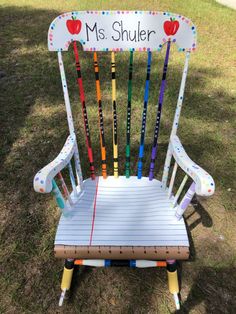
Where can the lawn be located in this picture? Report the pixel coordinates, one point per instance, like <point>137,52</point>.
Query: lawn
<point>34,128</point>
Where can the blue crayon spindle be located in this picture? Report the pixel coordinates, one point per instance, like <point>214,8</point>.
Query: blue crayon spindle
<point>144,117</point>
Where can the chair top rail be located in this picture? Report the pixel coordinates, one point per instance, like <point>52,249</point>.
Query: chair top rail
<point>121,31</point>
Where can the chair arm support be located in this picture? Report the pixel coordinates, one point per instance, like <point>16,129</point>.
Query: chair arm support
<point>205,185</point>
<point>43,179</point>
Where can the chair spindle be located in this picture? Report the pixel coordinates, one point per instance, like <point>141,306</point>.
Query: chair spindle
<point>59,198</point>
<point>128,124</point>
<point>185,201</point>
<point>100,115</point>
<point>115,141</point>
<point>158,117</point>
<point>70,119</point>
<point>172,180</point>
<point>72,178</point>
<point>180,189</point>
<point>144,116</point>
<point>84,111</point>
<point>64,187</point>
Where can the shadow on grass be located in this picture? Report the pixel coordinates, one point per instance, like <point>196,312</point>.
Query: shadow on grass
<point>33,130</point>
<point>212,290</point>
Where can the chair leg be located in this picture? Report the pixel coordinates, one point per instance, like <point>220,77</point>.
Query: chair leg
<point>173,281</point>
<point>66,278</point>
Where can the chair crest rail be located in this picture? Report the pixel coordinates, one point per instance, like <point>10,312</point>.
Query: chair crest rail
<point>121,30</point>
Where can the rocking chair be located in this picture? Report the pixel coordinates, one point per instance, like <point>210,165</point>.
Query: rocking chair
<point>122,220</point>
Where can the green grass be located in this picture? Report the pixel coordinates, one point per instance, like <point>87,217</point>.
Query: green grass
<point>33,129</point>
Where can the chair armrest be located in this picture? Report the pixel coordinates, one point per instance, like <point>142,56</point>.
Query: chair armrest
<point>43,179</point>
<point>205,185</point>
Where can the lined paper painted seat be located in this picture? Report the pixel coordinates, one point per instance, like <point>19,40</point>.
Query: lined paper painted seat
<point>128,213</point>
<point>119,219</point>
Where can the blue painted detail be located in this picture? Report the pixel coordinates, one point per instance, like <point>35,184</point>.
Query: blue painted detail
<point>140,168</point>
<point>132,263</point>
<point>107,262</point>
<point>141,151</point>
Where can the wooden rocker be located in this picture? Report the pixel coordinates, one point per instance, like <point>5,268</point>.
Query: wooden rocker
<point>122,220</point>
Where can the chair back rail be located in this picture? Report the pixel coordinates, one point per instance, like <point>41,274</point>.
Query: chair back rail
<point>122,31</point>
<point>70,120</point>
<point>176,119</point>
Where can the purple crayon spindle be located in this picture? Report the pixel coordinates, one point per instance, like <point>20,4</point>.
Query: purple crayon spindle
<point>158,117</point>
<point>185,201</point>
<point>152,165</point>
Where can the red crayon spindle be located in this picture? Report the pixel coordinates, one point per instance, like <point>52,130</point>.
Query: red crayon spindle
<point>84,111</point>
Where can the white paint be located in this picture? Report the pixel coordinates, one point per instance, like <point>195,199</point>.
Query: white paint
<point>128,212</point>
<point>176,119</point>
<point>205,185</point>
<point>43,179</point>
<point>180,189</point>
<point>70,118</point>
<point>62,297</point>
<point>172,180</point>
<point>122,30</point>
<point>145,263</point>
<point>94,262</point>
<point>176,299</point>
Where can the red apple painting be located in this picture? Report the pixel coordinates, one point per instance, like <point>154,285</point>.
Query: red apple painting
<point>171,27</point>
<point>74,26</point>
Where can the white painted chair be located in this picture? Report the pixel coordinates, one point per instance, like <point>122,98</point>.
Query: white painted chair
<point>122,220</point>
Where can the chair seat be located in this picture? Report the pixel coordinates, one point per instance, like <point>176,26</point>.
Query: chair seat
<point>122,218</point>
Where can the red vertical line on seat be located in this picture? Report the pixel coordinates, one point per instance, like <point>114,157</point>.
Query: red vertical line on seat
<point>158,117</point>
<point>100,116</point>
<point>94,212</point>
<point>84,112</point>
